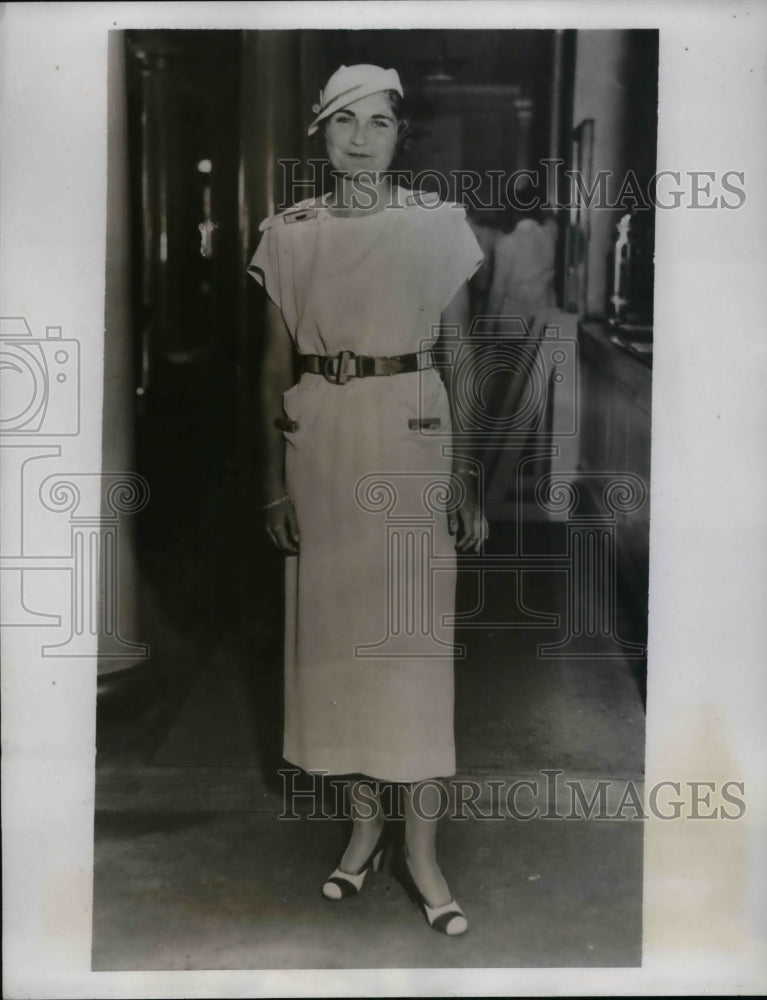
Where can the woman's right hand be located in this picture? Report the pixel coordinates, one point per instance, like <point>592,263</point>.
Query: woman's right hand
<point>282,526</point>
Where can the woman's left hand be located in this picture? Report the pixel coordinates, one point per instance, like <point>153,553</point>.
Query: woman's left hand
<point>466,521</point>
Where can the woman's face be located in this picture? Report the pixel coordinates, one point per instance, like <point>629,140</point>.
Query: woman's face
<point>362,138</point>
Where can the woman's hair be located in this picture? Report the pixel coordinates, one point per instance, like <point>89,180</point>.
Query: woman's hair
<point>397,104</point>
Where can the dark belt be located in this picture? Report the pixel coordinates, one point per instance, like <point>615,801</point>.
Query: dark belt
<point>340,367</point>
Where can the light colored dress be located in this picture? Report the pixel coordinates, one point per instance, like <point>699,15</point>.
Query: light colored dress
<point>369,599</point>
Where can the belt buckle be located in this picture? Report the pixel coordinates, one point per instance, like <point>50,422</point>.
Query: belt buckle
<point>340,375</point>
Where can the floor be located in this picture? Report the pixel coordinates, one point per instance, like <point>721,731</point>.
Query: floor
<point>197,869</point>
<point>241,890</point>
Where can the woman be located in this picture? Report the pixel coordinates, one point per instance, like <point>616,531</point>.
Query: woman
<point>522,285</point>
<point>358,283</point>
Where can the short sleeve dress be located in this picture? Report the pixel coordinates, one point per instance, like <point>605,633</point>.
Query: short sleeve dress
<point>370,598</point>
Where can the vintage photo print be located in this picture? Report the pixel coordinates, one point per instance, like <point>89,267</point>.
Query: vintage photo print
<point>381,432</point>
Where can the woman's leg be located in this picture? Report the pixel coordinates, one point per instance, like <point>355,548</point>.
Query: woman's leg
<point>367,823</point>
<point>422,802</point>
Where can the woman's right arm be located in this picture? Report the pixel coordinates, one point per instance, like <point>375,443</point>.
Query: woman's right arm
<point>276,376</point>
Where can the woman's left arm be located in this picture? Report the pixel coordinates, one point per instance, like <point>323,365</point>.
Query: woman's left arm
<point>466,522</point>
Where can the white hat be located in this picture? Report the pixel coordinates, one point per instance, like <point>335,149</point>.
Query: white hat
<point>352,83</point>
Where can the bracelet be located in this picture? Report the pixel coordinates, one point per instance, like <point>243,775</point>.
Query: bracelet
<point>275,503</point>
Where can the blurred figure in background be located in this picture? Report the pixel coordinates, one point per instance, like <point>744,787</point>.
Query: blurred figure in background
<point>522,282</point>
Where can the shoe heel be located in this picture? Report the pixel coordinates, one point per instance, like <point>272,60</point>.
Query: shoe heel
<point>341,884</point>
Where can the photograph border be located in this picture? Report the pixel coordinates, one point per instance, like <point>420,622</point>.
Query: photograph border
<point>704,882</point>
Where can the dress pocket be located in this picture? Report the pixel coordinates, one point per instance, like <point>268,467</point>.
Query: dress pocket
<point>421,395</point>
<point>422,411</point>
